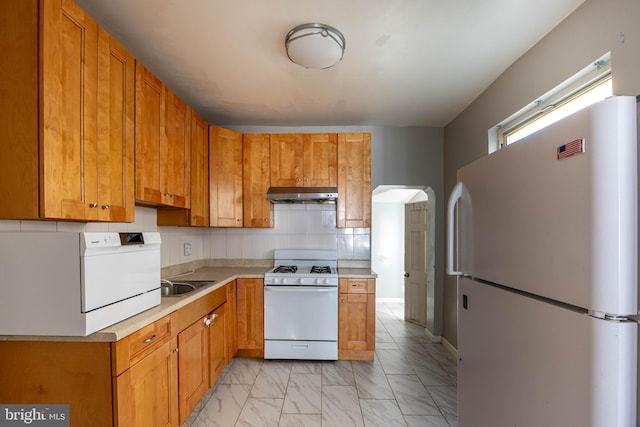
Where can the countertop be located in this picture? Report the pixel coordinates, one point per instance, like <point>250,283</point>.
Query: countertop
<point>221,276</point>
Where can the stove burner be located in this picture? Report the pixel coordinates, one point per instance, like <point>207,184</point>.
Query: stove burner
<point>321,270</point>
<point>285,269</point>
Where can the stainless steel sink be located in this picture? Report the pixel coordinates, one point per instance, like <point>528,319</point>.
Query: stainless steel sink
<point>178,289</point>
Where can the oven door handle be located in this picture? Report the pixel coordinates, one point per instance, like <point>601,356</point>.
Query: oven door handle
<point>272,288</point>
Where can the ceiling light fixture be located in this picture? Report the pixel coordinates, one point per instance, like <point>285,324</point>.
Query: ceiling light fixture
<point>315,45</point>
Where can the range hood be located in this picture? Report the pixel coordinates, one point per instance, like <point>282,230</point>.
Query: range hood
<point>302,194</point>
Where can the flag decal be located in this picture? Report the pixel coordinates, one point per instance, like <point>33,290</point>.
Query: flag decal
<point>571,148</point>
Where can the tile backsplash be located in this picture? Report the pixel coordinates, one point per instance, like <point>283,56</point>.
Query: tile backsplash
<point>296,226</point>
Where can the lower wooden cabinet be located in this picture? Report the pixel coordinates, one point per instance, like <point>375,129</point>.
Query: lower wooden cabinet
<point>147,393</point>
<point>193,366</point>
<point>356,319</point>
<point>250,317</point>
<point>217,343</point>
<point>231,338</point>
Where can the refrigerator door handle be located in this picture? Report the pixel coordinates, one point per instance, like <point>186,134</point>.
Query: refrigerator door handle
<point>456,194</point>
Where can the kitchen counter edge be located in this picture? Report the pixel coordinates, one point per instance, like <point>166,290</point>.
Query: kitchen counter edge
<point>221,276</point>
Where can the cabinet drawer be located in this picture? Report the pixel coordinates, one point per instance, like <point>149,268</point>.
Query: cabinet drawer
<point>148,338</point>
<point>357,286</point>
<point>199,308</point>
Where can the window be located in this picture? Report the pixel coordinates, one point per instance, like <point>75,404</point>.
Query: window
<point>590,85</point>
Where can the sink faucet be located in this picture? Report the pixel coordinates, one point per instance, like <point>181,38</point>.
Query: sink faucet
<point>164,283</point>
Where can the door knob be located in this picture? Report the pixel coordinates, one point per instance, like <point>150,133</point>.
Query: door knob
<point>406,274</point>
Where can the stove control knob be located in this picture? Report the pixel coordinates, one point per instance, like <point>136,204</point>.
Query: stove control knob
<point>318,281</point>
<point>276,280</point>
<point>325,281</point>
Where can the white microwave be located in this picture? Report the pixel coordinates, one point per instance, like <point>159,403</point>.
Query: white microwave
<point>74,284</point>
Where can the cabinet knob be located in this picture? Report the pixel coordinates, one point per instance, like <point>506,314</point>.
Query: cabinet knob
<point>237,219</point>
<point>93,205</point>
<point>406,274</point>
<point>207,322</point>
<point>342,301</point>
<point>175,350</point>
<point>105,207</point>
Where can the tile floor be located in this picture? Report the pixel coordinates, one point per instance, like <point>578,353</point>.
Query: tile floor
<point>411,382</point>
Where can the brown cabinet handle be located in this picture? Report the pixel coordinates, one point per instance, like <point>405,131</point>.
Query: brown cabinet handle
<point>105,207</point>
<point>93,205</point>
<point>342,301</point>
<point>148,340</point>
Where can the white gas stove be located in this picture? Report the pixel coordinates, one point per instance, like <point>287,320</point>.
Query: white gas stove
<point>301,305</point>
<point>303,267</point>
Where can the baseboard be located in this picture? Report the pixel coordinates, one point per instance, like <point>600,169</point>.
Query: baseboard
<point>450,348</point>
<point>432,338</point>
<point>389,299</point>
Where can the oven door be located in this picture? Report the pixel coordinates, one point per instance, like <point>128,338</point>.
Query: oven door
<point>301,313</point>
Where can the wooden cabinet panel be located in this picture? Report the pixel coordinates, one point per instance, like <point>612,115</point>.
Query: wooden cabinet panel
<point>286,160</point>
<point>354,180</point>
<point>250,316</point>
<point>232,342</point>
<point>198,213</point>
<point>163,143</point>
<point>320,160</point>
<point>75,373</point>
<point>193,366</point>
<point>256,179</point>
<point>217,343</point>
<point>149,129</point>
<point>307,160</point>
<point>225,177</point>
<point>68,100</point>
<point>176,153</point>
<point>148,391</point>
<point>356,319</point>
<point>116,93</point>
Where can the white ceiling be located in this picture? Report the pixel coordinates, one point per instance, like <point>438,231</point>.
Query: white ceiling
<point>406,63</point>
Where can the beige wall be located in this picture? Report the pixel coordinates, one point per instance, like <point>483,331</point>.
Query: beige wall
<point>593,29</point>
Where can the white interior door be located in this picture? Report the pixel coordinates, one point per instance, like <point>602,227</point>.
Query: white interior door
<point>416,265</point>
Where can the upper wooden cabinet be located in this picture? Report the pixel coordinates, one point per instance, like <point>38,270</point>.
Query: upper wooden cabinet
<point>354,180</point>
<point>303,160</point>
<point>116,83</point>
<point>320,159</point>
<point>67,116</point>
<point>225,177</point>
<point>256,172</point>
<point>198,214</point>
<point>163,143</point>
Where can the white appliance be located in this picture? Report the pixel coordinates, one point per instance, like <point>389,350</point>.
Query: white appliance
<point>547,252</point>
<point>301,305</point>
<point>73,284</point>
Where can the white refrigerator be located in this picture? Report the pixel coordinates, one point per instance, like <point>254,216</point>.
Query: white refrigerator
<point>544,237</point>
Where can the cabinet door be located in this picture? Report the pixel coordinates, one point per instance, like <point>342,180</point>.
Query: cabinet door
<point>225,177</point>
<point>175,153</point>
<point>199,171</point>
<point>116,92</point>
<point>147,393</point>
<point>320,160</point>
<point>69,179</point>
<point>193,366</point>
<point>250,314</point>
<point>286,160</point>
<point>217,343</point>
<point>232,342</point>
<point>356,322</point>
<point>149,130</point>
<point>256,178</point>
<point>354,180</point>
